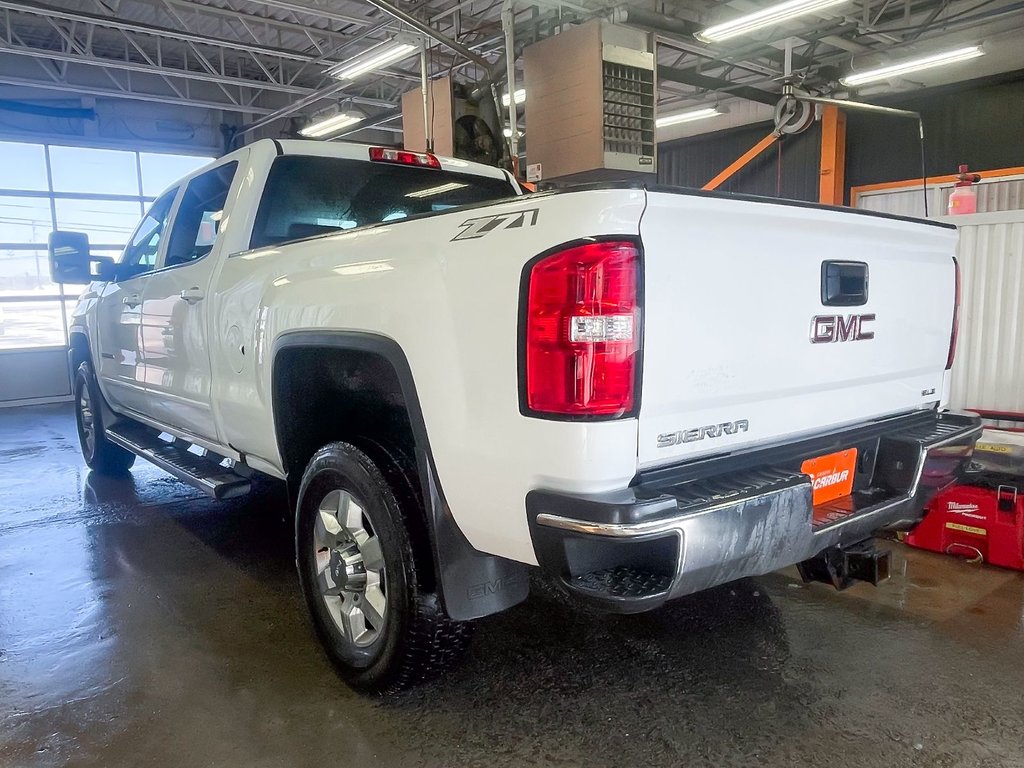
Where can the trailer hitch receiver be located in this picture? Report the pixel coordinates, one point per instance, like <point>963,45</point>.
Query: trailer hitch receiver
<point>843,567</point>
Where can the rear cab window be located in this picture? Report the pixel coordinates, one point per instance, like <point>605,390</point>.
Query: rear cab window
<point>307,196</point>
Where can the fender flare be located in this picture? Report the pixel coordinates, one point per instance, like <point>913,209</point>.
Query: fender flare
<point>472,584</point>
<point>108,414</point>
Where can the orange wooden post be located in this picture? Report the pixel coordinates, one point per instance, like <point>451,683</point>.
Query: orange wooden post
<point>741,161</point>
<point>833,156</point>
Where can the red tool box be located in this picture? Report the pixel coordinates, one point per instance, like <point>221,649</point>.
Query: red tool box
<point>982,517</point>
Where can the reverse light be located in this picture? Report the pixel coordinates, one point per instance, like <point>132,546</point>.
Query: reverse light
<point>403,157</point>
<point>582,331</point>
<point>955,332</point>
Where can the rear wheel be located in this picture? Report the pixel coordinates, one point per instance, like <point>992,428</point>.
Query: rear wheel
<point>100,454</point>
<point>382,630</point>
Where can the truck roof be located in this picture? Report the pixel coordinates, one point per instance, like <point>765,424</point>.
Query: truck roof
<point>358,151</point>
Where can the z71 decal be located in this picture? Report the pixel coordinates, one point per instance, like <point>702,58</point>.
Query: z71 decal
<point>484,225</point>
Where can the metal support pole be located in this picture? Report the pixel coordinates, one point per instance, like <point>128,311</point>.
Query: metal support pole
<point>443,39</point>
<point>905,113</point>
<point>428,123</point>
<point>507,23</point>
<point>831,183</point>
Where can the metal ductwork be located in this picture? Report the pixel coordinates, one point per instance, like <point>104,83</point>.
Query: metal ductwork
<point>658,22</point>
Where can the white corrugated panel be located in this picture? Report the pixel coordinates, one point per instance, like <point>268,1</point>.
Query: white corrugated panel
<point>989,368</point>
<point>1003,195</point>
<point>903,202</point>
<point>996,195</point>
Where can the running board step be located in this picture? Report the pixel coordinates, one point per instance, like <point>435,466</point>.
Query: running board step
<point>174,457</point>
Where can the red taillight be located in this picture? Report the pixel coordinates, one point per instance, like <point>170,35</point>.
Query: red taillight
<point>582,331</point>
<point>956,314</point>
<point>402,157</point>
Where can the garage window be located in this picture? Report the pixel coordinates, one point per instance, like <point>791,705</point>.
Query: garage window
<point>100,192</point>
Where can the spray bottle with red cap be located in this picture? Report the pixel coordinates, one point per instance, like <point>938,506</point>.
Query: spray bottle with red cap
<point>964,197</point>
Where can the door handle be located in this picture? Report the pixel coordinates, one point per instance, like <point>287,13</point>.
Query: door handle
<point>192,295</point>
<point>132,300</point>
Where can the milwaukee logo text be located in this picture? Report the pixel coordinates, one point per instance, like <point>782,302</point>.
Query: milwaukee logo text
<point>668,439</point>
<point>954,506</point>
<point>826,329</point>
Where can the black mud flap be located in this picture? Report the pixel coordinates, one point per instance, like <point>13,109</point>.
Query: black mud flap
<point>842,567</point>
<point>473,583</point>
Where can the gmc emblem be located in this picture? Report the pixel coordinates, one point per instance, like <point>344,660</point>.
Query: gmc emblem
<point>829,328</point>
<point>484,589</point>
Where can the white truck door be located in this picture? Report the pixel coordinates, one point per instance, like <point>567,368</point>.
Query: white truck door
<point>174,310</point>
<point>119,365</point>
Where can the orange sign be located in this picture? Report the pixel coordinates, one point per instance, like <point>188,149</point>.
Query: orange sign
<point>831,475</point>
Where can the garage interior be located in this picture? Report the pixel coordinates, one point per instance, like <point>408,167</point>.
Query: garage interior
<point>142,622</point>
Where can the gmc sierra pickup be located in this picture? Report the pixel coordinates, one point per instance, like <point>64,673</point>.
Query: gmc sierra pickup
<point>645,392</point>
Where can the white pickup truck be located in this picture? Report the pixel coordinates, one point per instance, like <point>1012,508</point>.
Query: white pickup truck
<point>646,392</point>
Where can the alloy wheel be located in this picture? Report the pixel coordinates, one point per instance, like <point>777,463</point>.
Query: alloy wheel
<point>350,570</point>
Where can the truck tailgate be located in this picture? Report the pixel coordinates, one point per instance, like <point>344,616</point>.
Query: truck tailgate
<point>732,303</point>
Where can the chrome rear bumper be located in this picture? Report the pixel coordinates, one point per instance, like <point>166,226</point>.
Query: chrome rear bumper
<point>674,533</point>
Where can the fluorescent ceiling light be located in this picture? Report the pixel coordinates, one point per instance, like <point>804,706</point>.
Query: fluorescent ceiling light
<point>330,125</point>
<point>766,17</point>
<point>519,93</point>
<point>373,59</point>
<point>686,117</point>
<point>440,189</point>
<point>913,65</point>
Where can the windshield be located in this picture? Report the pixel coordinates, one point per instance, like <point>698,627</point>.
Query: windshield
<point>307,196</point>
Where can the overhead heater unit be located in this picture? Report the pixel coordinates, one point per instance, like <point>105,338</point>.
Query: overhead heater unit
<point>462,127</point>
<point>590,104</point>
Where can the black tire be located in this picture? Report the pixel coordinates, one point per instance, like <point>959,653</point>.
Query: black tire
<point>410,639</point>
<point>100,454</point>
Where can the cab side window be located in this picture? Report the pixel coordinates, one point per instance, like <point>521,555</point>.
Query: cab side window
<point>140,254</point>
<point>197,222</point>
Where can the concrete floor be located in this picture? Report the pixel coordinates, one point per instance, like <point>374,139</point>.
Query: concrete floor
<point>143,624</point>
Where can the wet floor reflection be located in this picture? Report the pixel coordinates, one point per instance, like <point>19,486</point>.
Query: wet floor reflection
<point>142,623</point>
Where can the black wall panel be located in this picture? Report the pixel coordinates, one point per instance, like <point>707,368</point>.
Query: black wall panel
<point>981,124</point>
<point>788,169</point>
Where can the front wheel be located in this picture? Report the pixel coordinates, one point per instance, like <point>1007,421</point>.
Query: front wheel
<point>358,574</point>
<point>100,454</point>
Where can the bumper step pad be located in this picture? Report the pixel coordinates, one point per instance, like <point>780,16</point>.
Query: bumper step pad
<point>699,494</point>
<point>623,581</point>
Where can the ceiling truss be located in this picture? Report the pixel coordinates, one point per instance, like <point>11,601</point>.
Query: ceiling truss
<point>253,57</point>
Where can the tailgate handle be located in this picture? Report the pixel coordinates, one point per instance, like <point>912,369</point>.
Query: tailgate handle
<point>844,283</point>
